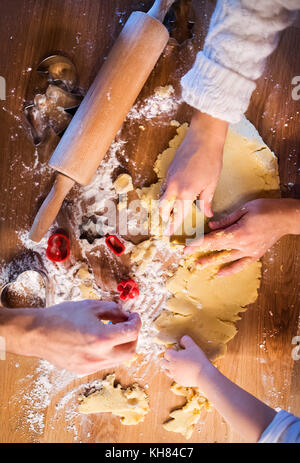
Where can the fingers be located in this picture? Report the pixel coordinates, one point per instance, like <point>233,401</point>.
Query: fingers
<point>124,352</point>
<point>219,258</point>
<point>236,266</point>
<point>110,311</point>
<point>181,209</point>
<point>187,341</point>
<point>214,241</point>
<point>206,198</point>
<point>167,201</point>
<point>170,354</point>
<point>125,332</point>
<point>228,220</point>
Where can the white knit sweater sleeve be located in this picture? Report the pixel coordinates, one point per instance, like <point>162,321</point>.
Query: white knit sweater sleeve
<point>241,35</point>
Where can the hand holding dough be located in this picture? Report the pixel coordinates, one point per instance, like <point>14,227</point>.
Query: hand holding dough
<point>248,232</point>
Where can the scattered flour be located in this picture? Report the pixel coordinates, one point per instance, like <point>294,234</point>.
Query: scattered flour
<point>162,103</point>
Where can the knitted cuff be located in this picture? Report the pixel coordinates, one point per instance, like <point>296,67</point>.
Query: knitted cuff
<point>217,91</point>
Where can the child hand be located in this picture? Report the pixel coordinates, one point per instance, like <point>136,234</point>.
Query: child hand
<point>187,365</point>
<point>195,168</point>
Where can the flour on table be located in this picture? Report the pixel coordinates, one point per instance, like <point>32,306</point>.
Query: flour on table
<point>163,102</point>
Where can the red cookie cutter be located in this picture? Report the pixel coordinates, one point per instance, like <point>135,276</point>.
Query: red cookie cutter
<point>128,289</point>
<point>115,244</point>
<point>58,249</point>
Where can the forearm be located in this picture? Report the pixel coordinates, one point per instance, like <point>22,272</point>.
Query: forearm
<point>17,328</point>
<point>248,415</point>
<point>208,127</point>
<point>241,36</point>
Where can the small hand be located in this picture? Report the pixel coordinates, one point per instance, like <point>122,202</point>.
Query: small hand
<point>72,336</point>
<point>248,233</point>
<point>187,365</point>
<point>195,169</point>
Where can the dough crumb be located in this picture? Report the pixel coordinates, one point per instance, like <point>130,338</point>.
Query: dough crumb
<point>86,286</point>
<point>123,184</point>
<point>164,92</point>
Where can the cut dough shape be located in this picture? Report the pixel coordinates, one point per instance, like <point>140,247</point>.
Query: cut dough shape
<point>202,305</point>
<point>130,404</point>
<point>184,419</point>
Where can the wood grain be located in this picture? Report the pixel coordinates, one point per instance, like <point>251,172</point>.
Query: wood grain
<point>259,358</point>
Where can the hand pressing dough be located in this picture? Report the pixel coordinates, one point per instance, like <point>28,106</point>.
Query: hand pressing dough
<point>184,419</point>
<point>130,404</point>
<point>202,305</point>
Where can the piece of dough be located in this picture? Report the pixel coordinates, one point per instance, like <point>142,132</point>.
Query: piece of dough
<point>86,284</point>
<point>123,184</point>
<point>184,419</point>
<point>130,404</point>
<point>202,305</point>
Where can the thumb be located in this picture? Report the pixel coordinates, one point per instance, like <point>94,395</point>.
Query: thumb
<point>186,342</point>
<point>110,311</point>
<point>206,197</point>
<point>167,201</point>
<point>228,220</point>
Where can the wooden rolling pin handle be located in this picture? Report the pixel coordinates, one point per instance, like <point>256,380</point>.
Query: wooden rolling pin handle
<point>160,9</point>
<point>50,207</point>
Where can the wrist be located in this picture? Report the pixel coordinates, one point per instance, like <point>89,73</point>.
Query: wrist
<point>292,216</point>
<point>208,128</point>
<point>206,376</point>
<point>19,329</point>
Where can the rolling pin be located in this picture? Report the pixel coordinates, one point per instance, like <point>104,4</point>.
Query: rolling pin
<point>104,108</point>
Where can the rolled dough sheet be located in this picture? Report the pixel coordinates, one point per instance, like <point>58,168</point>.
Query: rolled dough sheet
<point>130,404</point>
<point>202,305</point>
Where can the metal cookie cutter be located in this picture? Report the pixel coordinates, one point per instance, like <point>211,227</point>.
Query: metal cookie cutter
<point>29,289</point>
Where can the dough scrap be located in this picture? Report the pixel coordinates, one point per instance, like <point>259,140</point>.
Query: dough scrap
<point>130,404</point>
<point>86,284</point>
<point>184,419</point>
<point>123,184</point>
<point>202,305</point>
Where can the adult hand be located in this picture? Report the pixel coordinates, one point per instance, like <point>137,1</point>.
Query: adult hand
<point>195,169</point>
<point>186,366</point>
<point>72,336</point>
<point>248,233</point>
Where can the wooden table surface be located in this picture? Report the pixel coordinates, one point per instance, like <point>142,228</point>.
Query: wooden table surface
<point>259,358</point>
